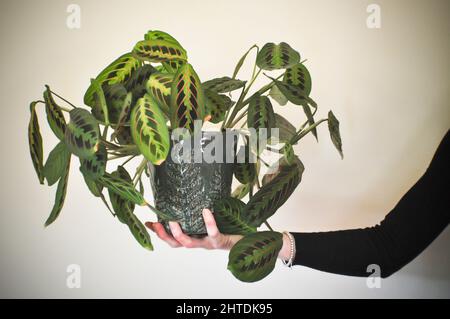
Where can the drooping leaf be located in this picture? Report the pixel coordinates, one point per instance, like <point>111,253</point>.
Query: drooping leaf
<point>275,169</point>
<point>82,134</point>
<point>298,75</point>
<point>35,143</point>
<point>227,213</point>
<point>241,191</point>
<point>279,97</point>
<point>95,166</point>
<point>149,130</point>
<point>223,85</point>
<point>333,127</point>
<point>118,71</point>
<point>138,80</point>
<point>136,227</point>
<point>122,188</point>
<point>277,56</point>
<point>56,163</point>
<point>217,105</point>
<point>260,114</point>
<point>293,93</point>
<point>94,186</point>
<point>187,99</point>
<point>55,116</point>
<point>159,87</point>
<point>120,203</point>
<point>60,195</point>
<point>273,195</point>
<point>310,118</point>
<point>285,129</point>
<point>253,257</point>
<point>159,51</point>
<point>246,172</point>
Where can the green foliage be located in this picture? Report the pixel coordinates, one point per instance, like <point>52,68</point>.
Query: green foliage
<point>149,130</point>
<point>82,135</point>
<point>223,85</point>
<point>277,56</point>
<point>158,51</point>
<point>333,126</point>
<point>227,213</point>
<point>159,87</point>
<point>35,143</point>
<point>56,163</point>
<point>217,105</point>
<point>253,257</point>
<point>55,117</point>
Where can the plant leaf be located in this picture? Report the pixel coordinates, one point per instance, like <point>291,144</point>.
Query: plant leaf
<point>158,51</point>
<point>217,105</point>
<point>95,166</point>
<point>298,75</point>
<point>159,87</point>
<point>122,188</point>
<point>55,116</point>
<point>94,186</point>
<point>245,172</point>
<point>279,97</point>
<point>333,127</point>
<point>273,195</point>
<point>138,80</point>
<point>285,129</point>
<point>149,130</point>
<point>253,257</point>
<point>60,195</point>
<point>82,133</point>
<point>115,98</point>
<point>223,85</point>
<point>120,203</point>
<point>293,93</point>
<point>35,143</point>
<point>310,119</point>
<point>187,100</point>
<point>260,113</point>
<point>241,191</point>
<point>118,71</point>
<point>227,213</point>
<point>241,61</point>
<point>56,163</point>
<point>277,56</point>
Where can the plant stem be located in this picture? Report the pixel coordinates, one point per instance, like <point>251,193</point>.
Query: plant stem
<point>299,136</point>
<point>268,225</point>
<point>59,96</point>
<point>131,157</point>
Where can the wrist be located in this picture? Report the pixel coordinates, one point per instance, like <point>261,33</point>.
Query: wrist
<point>285,252</point>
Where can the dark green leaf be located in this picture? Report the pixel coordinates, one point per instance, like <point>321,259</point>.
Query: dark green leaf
<point>260,114</point>
<point>223,85</point>
<point>227,213</point>
<point>217,105</point>
<point>35,143</point>
<point>55,116</point>
<point>333,126</point>
<point>95,166</point>
<point>298,75</point>
<point>277,56</point>
<point>253,257</point>
<point>159,51</point>
<point>82,134</point>
<point>241,191</point>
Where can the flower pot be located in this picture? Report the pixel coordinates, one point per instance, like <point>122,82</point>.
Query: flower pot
<point>185,187</point>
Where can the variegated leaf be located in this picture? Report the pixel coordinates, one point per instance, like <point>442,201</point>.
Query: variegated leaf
<point>260,113</point>
<point>159,86</point>
<point>333,127</point>
<point>223,85</point>
<point>119,203</point>
<point>277,56</point>
<point>138,80</point>
<point>60,195</point>
<point>55,116</point>
<point>273,195</point>
<point>217,105</point>
<point>95,166</point>
<point>293,93</point>
<point>279,97</point>
<point>285,129</point>
<point>118,71</point>
<point>94,186</point>
<point>122,188</point>
<point>56,163</point>
<point>124,136</point>
<point>253,257</point>
<point>35,143</point>
<point>149,130</point>
<point>227,213</point>
<point>187,100</point>
<point>82,133</point>
<point>161,35</point>
<point>116,98</point>
<point>159,51</point>
<point>298,75</point>
<point>246,172</point>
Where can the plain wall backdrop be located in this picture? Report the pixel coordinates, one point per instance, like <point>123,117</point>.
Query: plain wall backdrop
<point>389,87</point>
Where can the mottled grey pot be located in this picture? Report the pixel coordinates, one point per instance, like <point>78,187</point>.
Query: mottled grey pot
<point>186,187</point>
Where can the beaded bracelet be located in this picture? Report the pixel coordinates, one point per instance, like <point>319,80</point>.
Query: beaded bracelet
<point>289,262</point>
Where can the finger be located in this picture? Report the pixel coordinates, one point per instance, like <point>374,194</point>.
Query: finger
<point>211,226</point>
<point>160,231</point>
<point>182,238</point>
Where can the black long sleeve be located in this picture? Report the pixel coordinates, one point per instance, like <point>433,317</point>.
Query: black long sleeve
<point>418,218</point>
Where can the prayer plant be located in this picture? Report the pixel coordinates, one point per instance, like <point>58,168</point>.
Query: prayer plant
<point>138,99</point>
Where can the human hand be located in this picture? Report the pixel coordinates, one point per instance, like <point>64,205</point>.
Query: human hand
<point>214,240</point>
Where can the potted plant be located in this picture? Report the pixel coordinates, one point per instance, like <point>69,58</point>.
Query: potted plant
<point>134,107</point>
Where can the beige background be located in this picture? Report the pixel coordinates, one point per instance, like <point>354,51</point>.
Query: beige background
<point>389,88</point>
